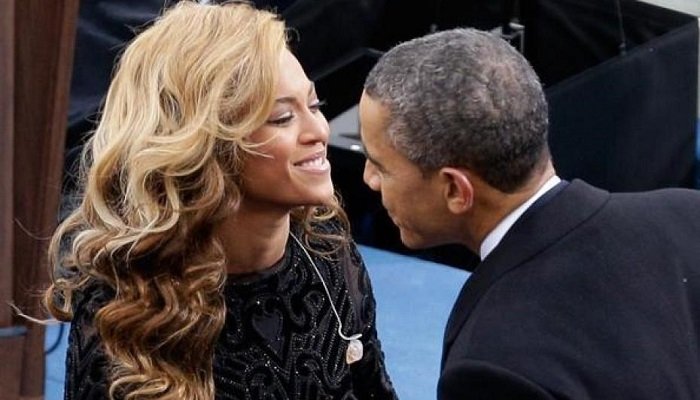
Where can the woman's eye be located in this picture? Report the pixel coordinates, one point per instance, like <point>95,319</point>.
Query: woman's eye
<point>282,119</point>
<point>316,105</point>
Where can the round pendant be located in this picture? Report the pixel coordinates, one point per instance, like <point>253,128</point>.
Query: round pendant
<point>354,352</point>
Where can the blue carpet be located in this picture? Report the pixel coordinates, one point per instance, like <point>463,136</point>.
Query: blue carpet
<point>55,361</point>
<point>414,298</point>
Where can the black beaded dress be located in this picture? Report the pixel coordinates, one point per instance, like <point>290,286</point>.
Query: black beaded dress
<point>280,339</point>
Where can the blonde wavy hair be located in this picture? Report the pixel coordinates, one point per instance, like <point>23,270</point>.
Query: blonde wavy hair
<point>160,171</point>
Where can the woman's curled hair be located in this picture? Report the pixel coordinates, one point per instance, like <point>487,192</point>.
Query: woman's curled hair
<point>159,172</point>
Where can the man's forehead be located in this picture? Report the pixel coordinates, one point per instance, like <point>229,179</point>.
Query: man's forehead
<point>374,115</point>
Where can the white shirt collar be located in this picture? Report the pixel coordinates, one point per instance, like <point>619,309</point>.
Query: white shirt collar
<point>494,237</point>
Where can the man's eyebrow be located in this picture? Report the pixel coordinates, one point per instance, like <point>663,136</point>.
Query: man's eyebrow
<point>292,99</point>
<point>372,159</point>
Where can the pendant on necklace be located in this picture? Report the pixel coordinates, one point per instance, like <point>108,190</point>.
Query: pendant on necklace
<point>354,351</point>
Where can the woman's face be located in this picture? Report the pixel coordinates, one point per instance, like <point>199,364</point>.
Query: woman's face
<point>294,170</point>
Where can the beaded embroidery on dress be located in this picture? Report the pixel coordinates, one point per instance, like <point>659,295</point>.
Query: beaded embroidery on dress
<point>280,339</point>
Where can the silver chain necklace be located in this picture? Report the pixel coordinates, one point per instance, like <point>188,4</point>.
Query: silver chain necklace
<point>355,349</point>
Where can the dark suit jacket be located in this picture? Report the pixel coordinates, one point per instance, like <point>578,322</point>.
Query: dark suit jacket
<point>590,295</point>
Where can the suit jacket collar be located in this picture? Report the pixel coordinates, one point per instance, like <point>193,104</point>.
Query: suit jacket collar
<point>554,215</point>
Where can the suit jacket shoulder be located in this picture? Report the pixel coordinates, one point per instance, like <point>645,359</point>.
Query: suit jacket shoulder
<point>593,295</point>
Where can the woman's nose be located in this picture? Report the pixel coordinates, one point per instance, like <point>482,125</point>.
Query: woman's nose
<point>316,128</point>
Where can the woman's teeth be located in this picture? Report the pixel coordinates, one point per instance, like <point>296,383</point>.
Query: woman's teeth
<point>316,162</point>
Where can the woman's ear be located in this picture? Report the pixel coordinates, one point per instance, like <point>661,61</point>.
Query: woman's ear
<point>458,190</point>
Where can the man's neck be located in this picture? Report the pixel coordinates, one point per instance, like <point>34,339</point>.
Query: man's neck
<point>491,205</point>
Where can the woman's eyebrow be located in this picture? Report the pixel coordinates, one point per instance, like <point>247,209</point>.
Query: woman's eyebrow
<point>292,99</point>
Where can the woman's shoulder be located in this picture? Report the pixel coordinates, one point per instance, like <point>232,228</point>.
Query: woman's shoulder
<point>336,243</point>
<point>331,226</point>
<point>324,236</point>
<point>90,298</point>
<point>87,364</point>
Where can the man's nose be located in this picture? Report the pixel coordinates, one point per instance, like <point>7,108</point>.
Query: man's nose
<point>369,175</point>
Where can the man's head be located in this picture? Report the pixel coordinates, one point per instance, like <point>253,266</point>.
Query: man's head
<point>458,102</point>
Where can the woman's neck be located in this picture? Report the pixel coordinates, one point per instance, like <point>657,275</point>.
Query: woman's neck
<point>253,241</point>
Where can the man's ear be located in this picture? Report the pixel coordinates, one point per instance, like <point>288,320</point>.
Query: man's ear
<point>458,189</point>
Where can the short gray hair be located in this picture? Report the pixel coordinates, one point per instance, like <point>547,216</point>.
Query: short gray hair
<point>463,98</point>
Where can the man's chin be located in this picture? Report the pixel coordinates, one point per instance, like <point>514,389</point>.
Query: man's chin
<point>413,241</point>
